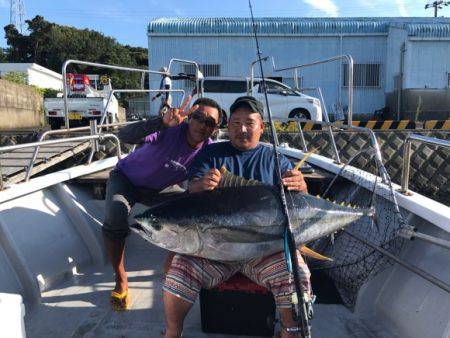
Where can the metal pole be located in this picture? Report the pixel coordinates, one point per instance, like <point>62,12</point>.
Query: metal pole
<point>66,140</point>
<point>197,72</point>
<point>407,154</point>
<point>410,233</point>
<point>98,65</point>
<point>302,137</point>
<point>65,131</point>
<point>349,60</point>
<point>406,159</point>
<point>1,178</point>
<point>373,139</point>
<point>330,131</point>
<point>295,75</point>
<point>252,77</point>
<point>432,279</point>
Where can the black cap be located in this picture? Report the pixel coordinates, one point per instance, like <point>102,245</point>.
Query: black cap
<point>248,102</point>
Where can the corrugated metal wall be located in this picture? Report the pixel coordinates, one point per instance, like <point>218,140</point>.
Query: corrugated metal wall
<point>235,54</point>
<point>427,63</point>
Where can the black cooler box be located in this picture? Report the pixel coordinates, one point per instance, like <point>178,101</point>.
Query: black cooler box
<point>238,306</point>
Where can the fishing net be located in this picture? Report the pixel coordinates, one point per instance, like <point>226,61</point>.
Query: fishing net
<point>354,262</point>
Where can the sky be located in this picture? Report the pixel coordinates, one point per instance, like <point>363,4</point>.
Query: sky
<point>127,20</point>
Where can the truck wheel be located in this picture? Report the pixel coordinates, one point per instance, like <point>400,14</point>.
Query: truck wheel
<point>54,123</point>
<point>300,113</point>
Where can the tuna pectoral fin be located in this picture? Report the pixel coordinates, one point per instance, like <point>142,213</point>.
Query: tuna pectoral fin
<point>312,254</point>
<point>228,180</point>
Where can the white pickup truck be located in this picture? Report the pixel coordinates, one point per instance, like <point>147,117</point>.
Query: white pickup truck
<point>284,102</point>
<point>83,106</point>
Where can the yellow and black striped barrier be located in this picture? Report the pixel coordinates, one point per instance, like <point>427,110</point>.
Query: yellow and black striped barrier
<point>385,125</point>
<point>375,124</point>
<point>437,124</point>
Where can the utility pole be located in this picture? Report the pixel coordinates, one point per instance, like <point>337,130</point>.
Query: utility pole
<point>17,14</point>
<point>437,5</point>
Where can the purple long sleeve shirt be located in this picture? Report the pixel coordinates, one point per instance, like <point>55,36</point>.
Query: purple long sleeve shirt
<point>162,160</point>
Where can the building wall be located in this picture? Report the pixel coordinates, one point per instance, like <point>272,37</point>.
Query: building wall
<point>42,80</point>
<point>427,64</point>
<point>37,75</point>
<point>235,53</point>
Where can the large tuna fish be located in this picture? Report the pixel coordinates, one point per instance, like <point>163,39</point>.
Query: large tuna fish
<point>236,222</point>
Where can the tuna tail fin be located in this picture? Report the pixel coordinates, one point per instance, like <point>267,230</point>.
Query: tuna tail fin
<point>311,253</point>
<point>229,180</point>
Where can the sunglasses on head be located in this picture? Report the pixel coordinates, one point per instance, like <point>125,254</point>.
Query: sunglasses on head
<point>200,117</point>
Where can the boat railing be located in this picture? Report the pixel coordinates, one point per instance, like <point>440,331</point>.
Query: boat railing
<point>64,140</point>
<point>407,155</point>
<point>108,101</point>
<point>99,127</point>
<point>329,125</point>
<point>346,57</point>
<point>97,65</point>
<point>198,73</point>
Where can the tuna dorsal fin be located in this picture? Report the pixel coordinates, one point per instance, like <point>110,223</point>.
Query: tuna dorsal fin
<point>229,180</point>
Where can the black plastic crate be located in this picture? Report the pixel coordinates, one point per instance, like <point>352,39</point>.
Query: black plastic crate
<point>238,307</point>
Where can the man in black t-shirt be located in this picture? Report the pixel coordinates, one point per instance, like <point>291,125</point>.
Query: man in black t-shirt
<point>243,155</point>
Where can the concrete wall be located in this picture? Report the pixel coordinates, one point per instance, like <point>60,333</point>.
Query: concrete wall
<point>20,106</point>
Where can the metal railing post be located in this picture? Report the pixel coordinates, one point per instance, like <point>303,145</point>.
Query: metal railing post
<point>302,136</point>
<point>65,131</point>
<point>345,57</point>
<point>373,139</point>
<point>405,169</point>
<point>98,65</point>
<point>197,72</point>
<point>330,131</point>
<point>407,155</point>
<point>65,140</point>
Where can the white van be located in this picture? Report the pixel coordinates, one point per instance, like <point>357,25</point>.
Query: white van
<point>284,102</point>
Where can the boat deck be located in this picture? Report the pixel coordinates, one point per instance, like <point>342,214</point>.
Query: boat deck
<point>79,307</point>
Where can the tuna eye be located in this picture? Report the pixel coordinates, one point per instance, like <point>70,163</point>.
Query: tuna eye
<point>155,224</point>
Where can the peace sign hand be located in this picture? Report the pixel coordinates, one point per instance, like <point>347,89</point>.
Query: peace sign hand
<point>174,116</point>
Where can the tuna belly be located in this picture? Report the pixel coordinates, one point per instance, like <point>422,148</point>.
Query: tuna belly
<point>231,244</point>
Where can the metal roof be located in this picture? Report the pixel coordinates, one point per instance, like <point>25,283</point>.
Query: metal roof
<point>429,30</point>
<point>429,27</point>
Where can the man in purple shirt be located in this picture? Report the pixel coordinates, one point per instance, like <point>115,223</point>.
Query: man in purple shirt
<point>169,146</point>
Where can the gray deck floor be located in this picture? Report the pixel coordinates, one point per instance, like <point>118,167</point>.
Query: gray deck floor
<point>79,307</point>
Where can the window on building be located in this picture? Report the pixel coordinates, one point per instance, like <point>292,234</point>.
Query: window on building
<point>224,86</point>
<point>207,70</point>
<point>364,75</point>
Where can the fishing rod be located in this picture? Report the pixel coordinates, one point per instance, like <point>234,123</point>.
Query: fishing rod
<point>301,305</point>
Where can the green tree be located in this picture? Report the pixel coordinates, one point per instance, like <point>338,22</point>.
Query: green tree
<point>3,57</point>
<point>49,45</point>
<point>16,77</point>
